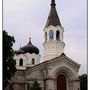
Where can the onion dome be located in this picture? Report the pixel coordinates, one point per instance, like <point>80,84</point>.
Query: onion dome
<point>29,48</point>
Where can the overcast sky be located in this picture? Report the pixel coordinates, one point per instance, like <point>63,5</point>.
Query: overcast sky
<point>24,18</point>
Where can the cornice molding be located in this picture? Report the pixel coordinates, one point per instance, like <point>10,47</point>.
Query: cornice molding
<point>53,62</point>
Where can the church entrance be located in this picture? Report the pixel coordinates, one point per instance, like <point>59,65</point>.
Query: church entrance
<point>61,82</point>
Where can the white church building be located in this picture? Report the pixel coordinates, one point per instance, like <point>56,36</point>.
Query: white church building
<point>57,71</point>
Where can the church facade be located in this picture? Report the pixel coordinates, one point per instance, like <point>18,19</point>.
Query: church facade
<point>57,71</point>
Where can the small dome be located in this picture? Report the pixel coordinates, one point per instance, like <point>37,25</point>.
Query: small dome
<point>20,51</point>
<point>30,48</point>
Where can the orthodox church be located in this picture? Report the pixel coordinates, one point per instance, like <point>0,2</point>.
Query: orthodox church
<point>57,71</point>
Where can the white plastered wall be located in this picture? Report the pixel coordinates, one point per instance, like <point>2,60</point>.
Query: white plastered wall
<point>27,60</point>
<point>70,73</point>
<point>53,48</point>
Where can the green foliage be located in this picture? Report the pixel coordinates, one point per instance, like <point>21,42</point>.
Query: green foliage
<point>35,86</point>
<point>83,82</point>
<point>9,63</point>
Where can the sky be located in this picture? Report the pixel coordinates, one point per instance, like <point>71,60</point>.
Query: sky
<point>27,18</point>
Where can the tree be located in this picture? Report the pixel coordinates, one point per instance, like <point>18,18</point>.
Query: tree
<point>35,86</point>
<point>9,63</point>
<point>83,82</point>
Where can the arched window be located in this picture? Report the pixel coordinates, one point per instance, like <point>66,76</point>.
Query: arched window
<point>21,62</point>
<point>45,36</point>
<point>33,61</point>
<point>51,34</point>
<point>57,35</point>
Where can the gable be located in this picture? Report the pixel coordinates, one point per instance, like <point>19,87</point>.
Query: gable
<point>61,60</point>
<point>64,60</point>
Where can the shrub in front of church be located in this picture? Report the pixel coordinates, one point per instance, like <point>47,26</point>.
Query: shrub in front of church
<point>36,86</point>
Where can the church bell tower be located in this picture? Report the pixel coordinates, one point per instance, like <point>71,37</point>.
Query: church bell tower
<point>53,34</point>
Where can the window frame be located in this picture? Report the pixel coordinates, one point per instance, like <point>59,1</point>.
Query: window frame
<point>33,61</point>
<point>21,62</point>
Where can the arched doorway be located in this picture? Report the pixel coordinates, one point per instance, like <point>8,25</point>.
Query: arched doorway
<point>61,82</point>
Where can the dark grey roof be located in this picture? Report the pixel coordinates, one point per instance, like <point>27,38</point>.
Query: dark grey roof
<point>20,51</point>
<point>53,18</point>
<point>30,48</point>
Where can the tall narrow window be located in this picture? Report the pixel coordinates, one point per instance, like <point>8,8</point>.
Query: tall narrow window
<point>45,36</point>
<point>21,62</point>
<point>33,61</point>
<point>51,34</point>
<point>57,35</point>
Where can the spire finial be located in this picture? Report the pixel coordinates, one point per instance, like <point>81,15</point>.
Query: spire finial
<point>30,38</point>
<point>53,3</point>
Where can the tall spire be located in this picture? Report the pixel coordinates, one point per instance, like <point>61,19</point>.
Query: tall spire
<point>53,18</point>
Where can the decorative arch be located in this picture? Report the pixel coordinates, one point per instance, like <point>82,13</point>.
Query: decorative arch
<point>64,70</point>
<point>21,62</point>
<point>68,74</point>
<point>57,35</point>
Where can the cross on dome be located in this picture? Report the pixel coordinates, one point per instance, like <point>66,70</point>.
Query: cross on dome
<point>29,37</point>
